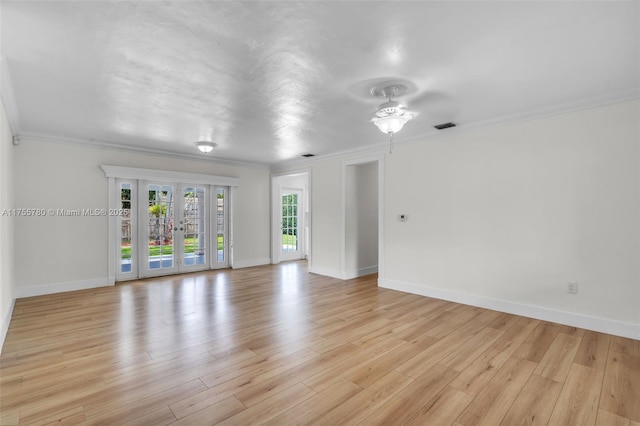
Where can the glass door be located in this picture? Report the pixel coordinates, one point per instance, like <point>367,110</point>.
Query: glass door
<point>158,255</point>
<point>126,244</point>
<point>220,206</point>
<point>192,229</point>
<point>176,230</point>
<point>291,247</point>
<point>165,228</point>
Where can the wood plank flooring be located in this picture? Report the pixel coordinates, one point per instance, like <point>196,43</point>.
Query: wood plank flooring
<point>276,345</point>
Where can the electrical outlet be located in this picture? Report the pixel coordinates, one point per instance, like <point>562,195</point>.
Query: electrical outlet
<point>572,288</point>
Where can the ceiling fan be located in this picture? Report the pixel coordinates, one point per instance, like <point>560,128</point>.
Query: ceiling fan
<point>391,116</point>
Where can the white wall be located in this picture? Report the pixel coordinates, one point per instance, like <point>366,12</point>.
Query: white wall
<point>326,218</point>
<point>361,219</point>
<point>505,217</point>
<point>64,253</point>
<point>7,282</point>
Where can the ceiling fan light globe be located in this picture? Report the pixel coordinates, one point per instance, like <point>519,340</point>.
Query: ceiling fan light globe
<point>390,124</point>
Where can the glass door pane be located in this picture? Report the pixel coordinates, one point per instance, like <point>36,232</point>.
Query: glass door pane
<point>125,227</point>
<point>289,222</point>
<point>221,226</point>
<point>126,267</point>
<point>160,247</point>
<point>193,225</point>
<point>290,248</point>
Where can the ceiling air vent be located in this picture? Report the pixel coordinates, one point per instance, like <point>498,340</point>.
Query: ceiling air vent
<point>308,155</point>
<point>444,125</point>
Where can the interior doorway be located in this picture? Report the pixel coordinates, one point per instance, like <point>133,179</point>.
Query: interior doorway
<point>361,201</point>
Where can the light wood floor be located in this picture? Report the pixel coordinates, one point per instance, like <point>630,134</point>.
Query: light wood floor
<point>280,346</point>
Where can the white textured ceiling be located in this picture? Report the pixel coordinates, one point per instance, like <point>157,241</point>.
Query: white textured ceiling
<point>269,81</point>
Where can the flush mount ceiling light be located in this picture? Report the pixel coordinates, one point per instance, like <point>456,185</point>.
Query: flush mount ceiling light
<point>391,116</point>
<point>205,146</point>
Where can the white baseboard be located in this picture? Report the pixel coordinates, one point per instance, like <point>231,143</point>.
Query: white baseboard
<point>333,273</point>
<point>251,262</point>
<point>360,272</point>
<point>346,275</point>
<point>42,289</point>
<point>5,324</point>
<point>603,325</point>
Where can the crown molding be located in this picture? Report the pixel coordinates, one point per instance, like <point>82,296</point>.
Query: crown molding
<point>546,112</point>
<point>375,149</point>
<point>112,146</point>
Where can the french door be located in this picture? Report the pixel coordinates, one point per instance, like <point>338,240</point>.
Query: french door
<point>291,224</point>
<point>177,228</point>
<point>169,227</point>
